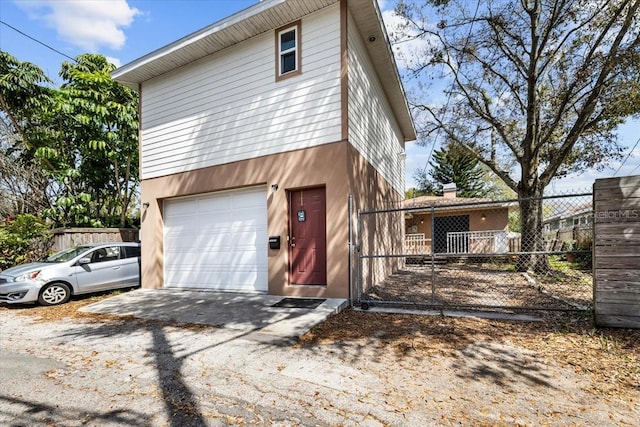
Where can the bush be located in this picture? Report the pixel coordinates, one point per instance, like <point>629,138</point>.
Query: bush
<point>23,239</point>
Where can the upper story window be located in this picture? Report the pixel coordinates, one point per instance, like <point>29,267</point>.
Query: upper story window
<point>288,51</point>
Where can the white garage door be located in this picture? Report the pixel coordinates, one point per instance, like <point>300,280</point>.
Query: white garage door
<point>217,241</point>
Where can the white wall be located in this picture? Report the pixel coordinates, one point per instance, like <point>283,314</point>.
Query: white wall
<point>228,107</point>
<point>373,130</point>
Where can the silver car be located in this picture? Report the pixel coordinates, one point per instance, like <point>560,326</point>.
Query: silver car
<point>84,269</point>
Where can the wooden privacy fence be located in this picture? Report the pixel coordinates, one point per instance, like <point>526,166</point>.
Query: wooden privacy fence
<point>616,253</point>
<point>64,238</point>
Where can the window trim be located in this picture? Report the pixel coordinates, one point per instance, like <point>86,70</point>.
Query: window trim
<point>297,26</point>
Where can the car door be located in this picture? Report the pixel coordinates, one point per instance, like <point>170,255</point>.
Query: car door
<point>104,271</point>
<point>130,258</point>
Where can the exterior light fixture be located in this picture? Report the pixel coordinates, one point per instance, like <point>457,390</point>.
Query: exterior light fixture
<point>274,187</point>
<point>484,217</point>
<point>372,39</point>
<point>145,205</point>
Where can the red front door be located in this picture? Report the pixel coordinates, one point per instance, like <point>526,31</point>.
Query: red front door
<point>308,239</point>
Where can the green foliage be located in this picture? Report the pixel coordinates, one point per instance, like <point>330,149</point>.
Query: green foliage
<point>86,142</point>
<point>424,184</point>
<point>23,239</point>
<point>23,97</point>
<point>414,192</point>
<point>453,165</point>
<point>514,221</point>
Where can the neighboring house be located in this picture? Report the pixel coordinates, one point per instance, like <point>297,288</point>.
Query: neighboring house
<point>572,216</point>
<point>254,133</point>
<point>569,228</point>
<point>460,225</point>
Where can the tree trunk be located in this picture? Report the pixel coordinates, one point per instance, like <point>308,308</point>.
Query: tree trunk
<point>531,236</point>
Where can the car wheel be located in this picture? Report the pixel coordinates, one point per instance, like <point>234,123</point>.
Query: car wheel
<point>54,293</point>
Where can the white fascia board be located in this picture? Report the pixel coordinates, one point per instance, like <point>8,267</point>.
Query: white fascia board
<point>196,36</point>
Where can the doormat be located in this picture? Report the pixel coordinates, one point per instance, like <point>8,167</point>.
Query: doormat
<point>309,303</point>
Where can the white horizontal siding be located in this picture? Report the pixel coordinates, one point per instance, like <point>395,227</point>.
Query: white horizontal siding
<point>373,129</point>
<point>228,107</point>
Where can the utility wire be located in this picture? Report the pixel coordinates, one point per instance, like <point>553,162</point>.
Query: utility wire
<point>37,41</point>
<point>627,158</point>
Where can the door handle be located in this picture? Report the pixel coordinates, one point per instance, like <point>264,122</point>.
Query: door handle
<point>116,268</point>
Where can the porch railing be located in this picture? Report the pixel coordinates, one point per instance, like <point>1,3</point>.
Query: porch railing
<point>465,242</point>
<point>417,244</point>
<point>477,242</point>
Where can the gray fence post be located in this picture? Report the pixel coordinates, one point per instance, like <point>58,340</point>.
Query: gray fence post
<point>616,252</point>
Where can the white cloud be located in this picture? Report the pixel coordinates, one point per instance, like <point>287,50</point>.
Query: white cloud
<point>114,61</point>
<point>87,24</point>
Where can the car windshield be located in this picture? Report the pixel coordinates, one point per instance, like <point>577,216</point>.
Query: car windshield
<point>67,254</point>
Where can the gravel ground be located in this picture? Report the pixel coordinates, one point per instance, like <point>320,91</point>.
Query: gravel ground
<point>355,369</point>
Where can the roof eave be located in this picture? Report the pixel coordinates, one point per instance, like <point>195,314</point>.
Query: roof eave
<point>168,57</point>
<point>120,74</point>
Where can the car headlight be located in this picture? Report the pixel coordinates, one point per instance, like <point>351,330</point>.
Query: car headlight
<point>32,275</point>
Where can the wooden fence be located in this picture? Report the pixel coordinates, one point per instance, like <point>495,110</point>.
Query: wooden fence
<point>616,254</point>
<point>64,238</point>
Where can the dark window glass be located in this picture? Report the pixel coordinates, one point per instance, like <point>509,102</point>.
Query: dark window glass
<point>110,253</point>
<point>287,62</point>
<point>288,40</point>
<point>132,251</point>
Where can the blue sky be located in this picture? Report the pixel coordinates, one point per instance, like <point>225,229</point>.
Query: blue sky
<point>124,30</point>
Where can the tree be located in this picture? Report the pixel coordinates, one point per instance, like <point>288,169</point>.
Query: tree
<point>104,131</point>
<point>23,98</point>
<point>424,183</point>
<point>540,84</point>
<point>453,165</point>
<point>82,138</point>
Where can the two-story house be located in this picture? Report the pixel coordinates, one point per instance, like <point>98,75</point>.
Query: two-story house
<point>254,134</point>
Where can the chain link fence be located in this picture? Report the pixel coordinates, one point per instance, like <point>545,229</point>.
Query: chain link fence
<point>478,254</point>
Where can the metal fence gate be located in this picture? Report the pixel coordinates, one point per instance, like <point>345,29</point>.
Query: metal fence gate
<point>448,253</point>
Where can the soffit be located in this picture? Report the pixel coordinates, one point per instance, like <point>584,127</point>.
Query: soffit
<point>265,17</point>
<point>248,23</point>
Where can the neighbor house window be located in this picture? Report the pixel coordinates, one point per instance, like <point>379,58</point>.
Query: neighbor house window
<point>288,51</point>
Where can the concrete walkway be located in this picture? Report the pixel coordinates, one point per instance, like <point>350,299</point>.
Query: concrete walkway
<point>252,313</point>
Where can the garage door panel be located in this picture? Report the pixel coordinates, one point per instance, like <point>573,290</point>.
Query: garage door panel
<point>231,227</point>
<point>222,241</point>
<point>185,208</point>
<point>201,260</point>
<point>214,204</point>
<point>223,278</point>
<point>217,241</point>
<point>239,202</point>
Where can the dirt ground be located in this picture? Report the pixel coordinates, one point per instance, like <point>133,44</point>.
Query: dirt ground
<point>469,371</point>
<point>609,358</point>
<point>485,284</point>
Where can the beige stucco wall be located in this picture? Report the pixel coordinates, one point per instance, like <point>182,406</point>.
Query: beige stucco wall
<point>325,165</point>
<point>382,234</point>
<point>495,219</point>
